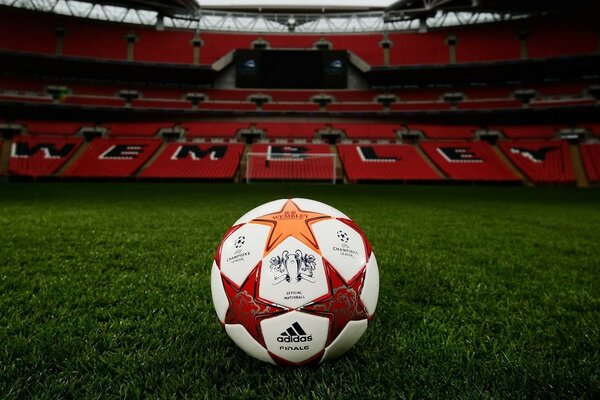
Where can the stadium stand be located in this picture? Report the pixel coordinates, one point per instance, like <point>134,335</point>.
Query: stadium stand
<point>38,156</point>
<point>113,158</point>
<point>542,161</point>
<point>590,154</point>
<point>446,104</point>
<point>288,162</point>
<point>378,163</point>
<point>29,31</point>
<point>210,161</point>
<point>468,161</point>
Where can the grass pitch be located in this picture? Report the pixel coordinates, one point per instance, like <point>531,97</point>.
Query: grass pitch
<point>485,292</point>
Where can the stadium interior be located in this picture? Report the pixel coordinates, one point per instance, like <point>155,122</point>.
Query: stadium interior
<point>509,94</point>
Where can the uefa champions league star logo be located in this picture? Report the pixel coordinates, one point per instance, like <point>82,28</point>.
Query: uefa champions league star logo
<point>239,242</point>
<point>282,267</point>
<point>343,236</point>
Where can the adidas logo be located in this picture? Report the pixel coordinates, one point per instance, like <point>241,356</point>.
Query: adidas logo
<point>294,334</point>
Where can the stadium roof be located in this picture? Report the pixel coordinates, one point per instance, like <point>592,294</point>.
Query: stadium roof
<point>309,16</point>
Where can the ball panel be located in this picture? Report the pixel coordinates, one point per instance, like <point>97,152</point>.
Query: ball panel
<point>247,343</point>
<point>242,250</point>
<point>295,336</point>
<point>370,290</point>
<point>341,246</point>
<point>292,275</point>
<point>346,339</point>
<point>218,292</point>
<point>267,208</point>
<point>317,206</point>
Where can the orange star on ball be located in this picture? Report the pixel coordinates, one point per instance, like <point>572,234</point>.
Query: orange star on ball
<point>291,221</point>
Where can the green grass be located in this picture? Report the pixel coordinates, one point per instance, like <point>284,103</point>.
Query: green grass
<point>485,292</point>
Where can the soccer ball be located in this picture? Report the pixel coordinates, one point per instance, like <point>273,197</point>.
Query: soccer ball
<point>295,282</point>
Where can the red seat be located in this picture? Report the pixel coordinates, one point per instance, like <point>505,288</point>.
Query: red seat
<point>393,162</point>
<point>113,158</point>
<point>542,161</point>
<point>196,161</point>
<point>468,161</point>
<point>40,155</point>
<point>287,162</point>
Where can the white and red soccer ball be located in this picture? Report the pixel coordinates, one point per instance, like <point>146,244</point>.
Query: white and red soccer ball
<point>295,282</point>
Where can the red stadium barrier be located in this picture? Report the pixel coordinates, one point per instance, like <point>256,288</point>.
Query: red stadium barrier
<point>445,131</point>
<point>542,161</point>
<point>393,162</point>
<point>168,46</point>
<point>357,107</point>
<point>420,106</point>
<point>40,155</point>
<point>213,129</point>
<point>113,158</point>
<point>528,131</point>
<point>147,129</point>
<point>557,37</point>
<point>368,131</point>
<point>419,49</point>
<point>290,129</point>
<point>489,104</point>
<point>58,128</point>
<point>468,161</point>
<point>196,161</point>
<point>27,31</point>
<point>497,42</point>
<point>310,107</point>
<point>94,101</point>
